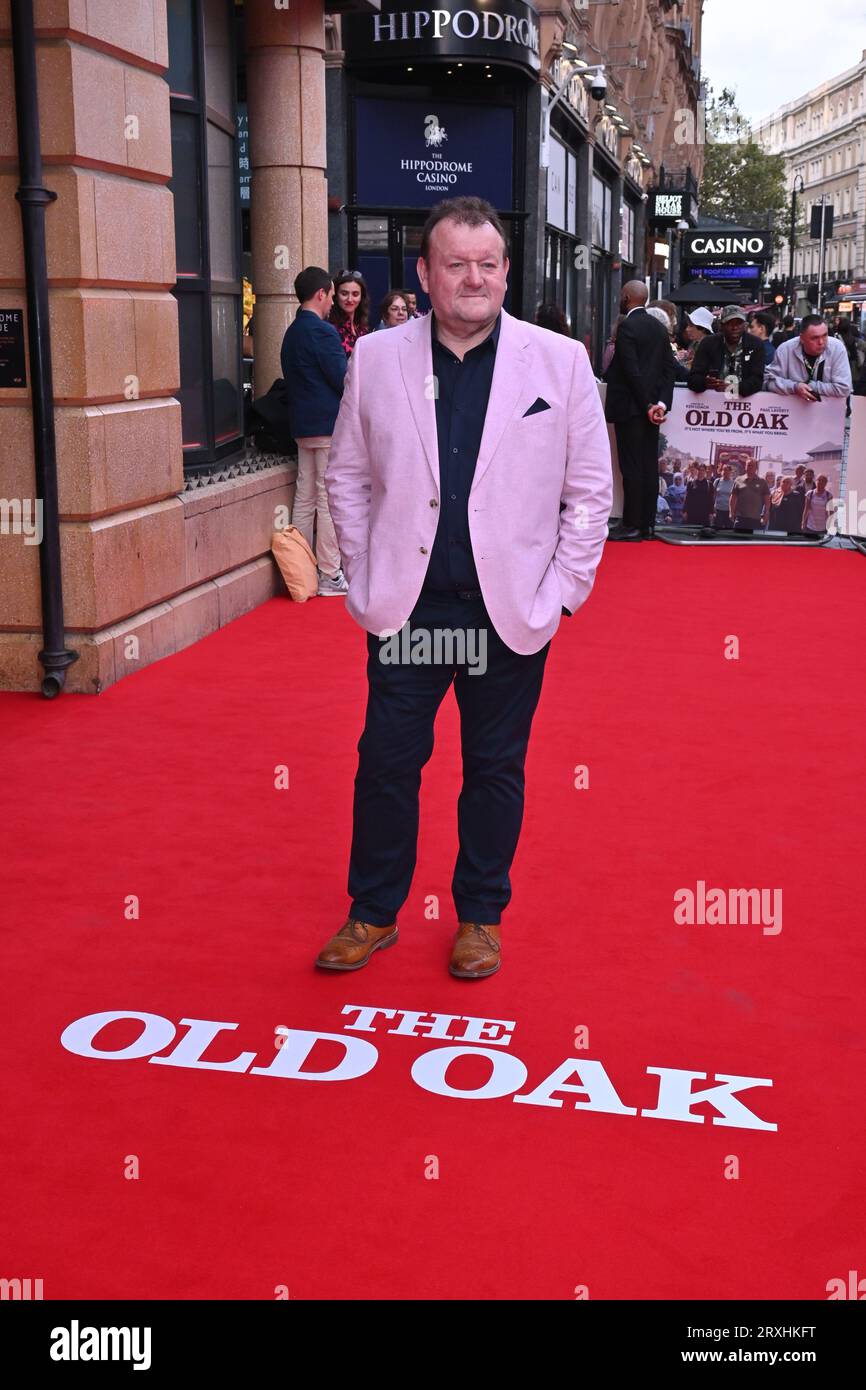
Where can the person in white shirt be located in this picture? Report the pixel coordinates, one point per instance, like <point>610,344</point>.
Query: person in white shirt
<point>815,509</point>
<point>811,366</point>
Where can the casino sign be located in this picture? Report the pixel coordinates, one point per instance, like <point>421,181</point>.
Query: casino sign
<point>735,244</point>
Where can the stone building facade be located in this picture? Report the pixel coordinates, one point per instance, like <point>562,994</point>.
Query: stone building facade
<point>822,137</point>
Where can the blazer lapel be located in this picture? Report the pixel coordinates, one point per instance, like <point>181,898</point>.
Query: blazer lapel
<point>416,364</point>
<point>512,390</point>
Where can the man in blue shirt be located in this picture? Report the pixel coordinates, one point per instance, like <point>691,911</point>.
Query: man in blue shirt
<point>314,367</point>
<point>762,325</point>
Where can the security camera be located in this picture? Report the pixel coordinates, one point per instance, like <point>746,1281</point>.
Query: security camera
<point>598,85</point>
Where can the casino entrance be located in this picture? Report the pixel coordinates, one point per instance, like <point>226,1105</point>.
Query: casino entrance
<point>415,120</point>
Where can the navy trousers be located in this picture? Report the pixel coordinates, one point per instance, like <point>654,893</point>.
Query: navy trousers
<point>496,710</point>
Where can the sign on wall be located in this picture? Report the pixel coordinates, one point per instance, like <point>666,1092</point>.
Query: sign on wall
<point>571,195</point>
<point>724,272</point>
<point>414,153</point>
<point>243,147</point>
<point>667,207</point>
<point>777,432</point>
<point>740,243</point>
<point>500,31</point>
<point>13,372</point>
<point>556,185</point>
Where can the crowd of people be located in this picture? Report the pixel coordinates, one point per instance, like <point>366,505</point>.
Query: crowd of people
<point>742,352</point>
<point>733,352</point>
<point>332,315</point>
<point>720,497</point>
<point>350,312</point>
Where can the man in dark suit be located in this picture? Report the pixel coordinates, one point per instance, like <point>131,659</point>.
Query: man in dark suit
<point>731,361</point>
<point>640,391</point>
<point>314,367</point>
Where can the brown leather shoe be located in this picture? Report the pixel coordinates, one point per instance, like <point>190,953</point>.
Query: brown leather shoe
<point>354,944</point>
<point>476,951</point>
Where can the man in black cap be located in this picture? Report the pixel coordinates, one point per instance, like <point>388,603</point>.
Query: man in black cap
<point>731,361</point>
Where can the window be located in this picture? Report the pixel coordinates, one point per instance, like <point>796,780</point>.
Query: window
<point>205,184</point>
<point>600,213</point>
<point>626,241</point>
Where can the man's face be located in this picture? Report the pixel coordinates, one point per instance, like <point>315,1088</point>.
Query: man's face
<point>814,339</point>
<point>758,329</point>
<point>411,302</point>
<point>751,468</point>
<point>733,330</point>
<point>464,274</point>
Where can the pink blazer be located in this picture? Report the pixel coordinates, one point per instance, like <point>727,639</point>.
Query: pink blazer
<point>383,480</point>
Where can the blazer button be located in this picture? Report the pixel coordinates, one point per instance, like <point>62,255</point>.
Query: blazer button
<point>433,502</point>
<point>423,550</point>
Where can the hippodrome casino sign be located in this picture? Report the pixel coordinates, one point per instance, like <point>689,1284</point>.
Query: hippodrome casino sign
<point>582,1083</point>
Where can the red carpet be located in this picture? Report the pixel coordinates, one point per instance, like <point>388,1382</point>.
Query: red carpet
<point>739,774</point>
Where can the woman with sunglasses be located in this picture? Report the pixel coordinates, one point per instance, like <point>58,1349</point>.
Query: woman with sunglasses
<point>351,309</point>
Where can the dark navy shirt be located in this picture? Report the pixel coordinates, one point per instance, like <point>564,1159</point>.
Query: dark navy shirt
<point>461,405</point>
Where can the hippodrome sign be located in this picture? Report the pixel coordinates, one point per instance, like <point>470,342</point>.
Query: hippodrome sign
<point>502,31</point>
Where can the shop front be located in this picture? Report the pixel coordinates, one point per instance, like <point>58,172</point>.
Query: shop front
<point>565,266</point>
<point>632,220</point>
<point>561,247</point>
<point>435,107</point>
<point>606,224</point>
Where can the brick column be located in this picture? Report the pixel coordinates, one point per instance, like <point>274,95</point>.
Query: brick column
<point>106,144</point>
<point>288,196</point>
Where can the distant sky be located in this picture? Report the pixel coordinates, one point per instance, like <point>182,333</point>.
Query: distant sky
<point>772,51</point>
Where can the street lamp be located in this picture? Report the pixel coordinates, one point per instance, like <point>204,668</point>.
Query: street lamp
<point>798,179</point>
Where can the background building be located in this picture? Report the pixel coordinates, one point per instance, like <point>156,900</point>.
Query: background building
<point>567,171</point>
<point>822,136</point>
<point>639,136</point>
<point>165,521</point>
<point>196,154</point>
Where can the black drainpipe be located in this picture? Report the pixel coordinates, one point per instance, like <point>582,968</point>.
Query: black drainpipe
<point>33,197</point>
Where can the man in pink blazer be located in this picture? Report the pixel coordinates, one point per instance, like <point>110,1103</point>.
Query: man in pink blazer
<point>469,484</point>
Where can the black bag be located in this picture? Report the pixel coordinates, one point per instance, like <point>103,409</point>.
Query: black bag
<point>269,421</point>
